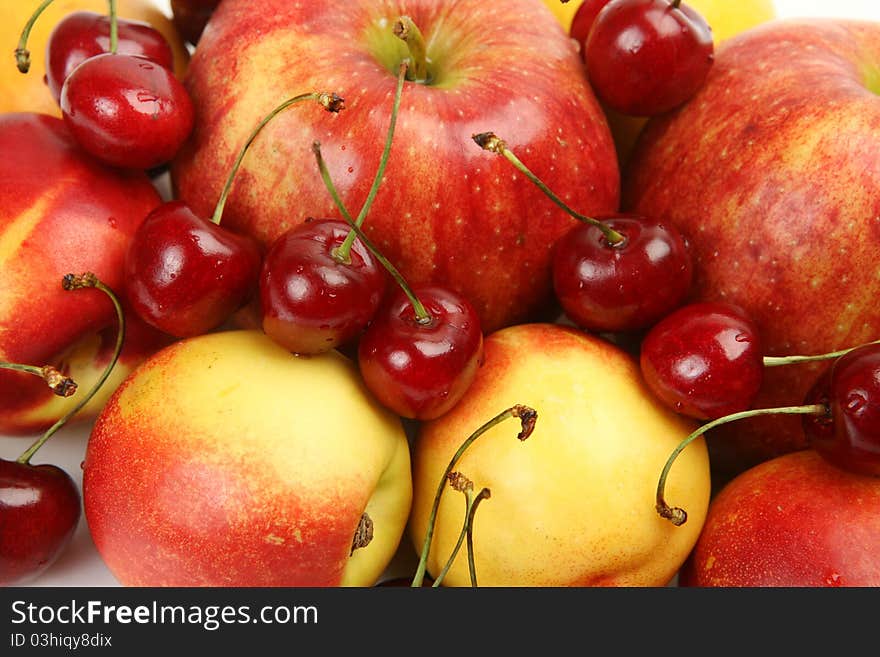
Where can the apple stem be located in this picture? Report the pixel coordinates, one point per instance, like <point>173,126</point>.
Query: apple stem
<point>329,101</point>
<point>422,314</point>
<point>464,485</point>
<point>114,27</point>
<point>472,569</point>
<point>774,361</point>
<point>74,282</point>
<point>342,253</point>
<point>678,516</point>
<point>408,32</point>
<point>61,385</point>
<point>527,416</point>
<point>489,141</point>
<point>22,54</point>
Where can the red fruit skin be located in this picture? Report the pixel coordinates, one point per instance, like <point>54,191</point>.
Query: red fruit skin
<point>62,212</point>
<point>793,520</point>
<point>83,34</point>
<point>333,301</point>
<point>126,110</point>
<point>422,371</point>
<point>704,360</point>
<point>186,275</point>
<point>849,435</point>
<point>645,57</point>
<point>448,213</point>
<point>582,22</point>
<point>625,288</point>
<point>40,508</point>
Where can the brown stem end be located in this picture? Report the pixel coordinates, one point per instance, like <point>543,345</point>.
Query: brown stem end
<point>491,142</point>
<point>528,417</point>
<point>331,102</point>
<point>74,282</point>
<point>459,482</point>
<point>23,59</point>
<point>363,535</point>
<point>61,385</point>
<point>676,515</point>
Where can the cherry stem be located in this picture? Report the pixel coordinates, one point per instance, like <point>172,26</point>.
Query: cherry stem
<point>774,361</point>
<point>74,282</point>
<point>114,27</point>
<point>329,101</point>
<point>22,54</point>
<point>408,32</point>
<point>472,570</point>
<point>60,384</point>
<point>489,141</point>
<point>528,416</point>
<point>460,483</point>
<point>342,253</point>
<point>421,313</point>
<point>678,516</point>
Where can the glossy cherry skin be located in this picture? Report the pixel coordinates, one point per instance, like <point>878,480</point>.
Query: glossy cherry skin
<point>645,57</point>
<point>40,508</point>
<point>848,435</point>
<point>186,275</point>
<point>84,34</point>
<point>420,371</point>
<point>623,287</point>
<point>704,360</point>
<point>582,22</point>
<point>311,302</point>
<point>127,111</point>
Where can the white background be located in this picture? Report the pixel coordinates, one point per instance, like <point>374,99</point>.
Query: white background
<point>80,565</point>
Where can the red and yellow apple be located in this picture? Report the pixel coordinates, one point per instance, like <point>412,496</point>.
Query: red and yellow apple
<point>794,520</point>
<point>28,92</point>
<point>772,172</point>
<point>447,212</point>
<point>62,212</point>
<point>574,504</point>
<point>224,460</point>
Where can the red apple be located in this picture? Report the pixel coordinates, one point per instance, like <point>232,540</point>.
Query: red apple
<point>794,520</point>
<point>224,460</point>
<point>62,212</point>
<point>772,171</point>
<point>447,213</point>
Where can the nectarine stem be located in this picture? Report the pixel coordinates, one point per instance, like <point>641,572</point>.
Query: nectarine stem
<point>677,515</point>
<point>73,282</point>
<point>407,31</point>
<point>422,314</point>
<point>22,54</point>
<point>472,569</point>
<point>342,253</point>
<point>528,416</point>
<point>61,385</point>
<point>489,141</point>
<point>774,361</point>
<point>329,101</point>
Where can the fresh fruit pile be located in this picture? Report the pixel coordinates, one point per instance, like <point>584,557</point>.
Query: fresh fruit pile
<point>298,277</point>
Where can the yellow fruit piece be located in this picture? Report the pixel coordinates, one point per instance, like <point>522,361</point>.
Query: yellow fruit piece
<point>564,11</point>
<point>21,92</point>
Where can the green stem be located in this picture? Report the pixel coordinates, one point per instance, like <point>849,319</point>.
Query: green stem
<point>472,569</point>
<point>422,314</point>
<point>329,101</point>
<point>775,361</point>
<point>528,416</point>
<point>72,282</point>
<point>406,30</point>
<point>22,54</point>
<point>489,141</point>
<point>469,501</point>
<point>678,516</point>
<point>114,27</point>
<point>342,253</point>
<point>61,385</point>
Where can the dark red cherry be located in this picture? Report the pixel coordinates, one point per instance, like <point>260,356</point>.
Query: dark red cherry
<point>40,509</point>
<point>186,275</point>
<point>626,286</point>
<point>126,110</point>
<point>84,34</point>
<point>191,16</point>
<point>848,435</point>
<point>582,22</point>
<point>704,360</point>
<point>421,370</point>
<point>311,302</point>
<point>645,57</point>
